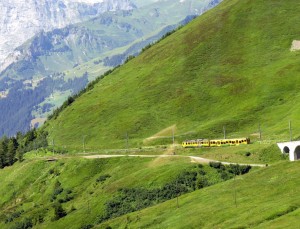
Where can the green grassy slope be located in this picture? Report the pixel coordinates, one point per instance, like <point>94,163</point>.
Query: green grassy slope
<point>232,66</point>
<point>27,188</point>
<point>265,198</point>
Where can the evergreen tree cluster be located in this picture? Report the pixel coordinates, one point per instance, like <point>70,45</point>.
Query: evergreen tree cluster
<point>22,99</point>
<point>13,149</point>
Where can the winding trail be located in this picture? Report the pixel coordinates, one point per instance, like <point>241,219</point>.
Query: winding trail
<point>194,159</point>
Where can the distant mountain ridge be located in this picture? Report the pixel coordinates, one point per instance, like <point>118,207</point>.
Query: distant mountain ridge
<point>20,19</point>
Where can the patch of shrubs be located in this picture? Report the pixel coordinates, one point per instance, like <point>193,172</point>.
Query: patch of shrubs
<point>24,224</point>
<point>229,171</point>
<point>65,199</point>
<point>59,212</point>
<point>57,188</point>
<point>86,226</point>
<point>27,222</point>
<point>102,178</point>
<point>53,171</point>
<point>64,196</point>
<point>13,216</point>
<point>133,199</point>
<point>234,169</point>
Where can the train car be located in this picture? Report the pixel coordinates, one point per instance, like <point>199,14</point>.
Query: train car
<point>195,143</point>
<point>215,142</point>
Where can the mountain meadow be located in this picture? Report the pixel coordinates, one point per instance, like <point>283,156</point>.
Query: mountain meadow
<point>114,157</point>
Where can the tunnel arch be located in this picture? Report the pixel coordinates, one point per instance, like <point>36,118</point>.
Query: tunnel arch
<point>297,153</point>
<point>286,149</point>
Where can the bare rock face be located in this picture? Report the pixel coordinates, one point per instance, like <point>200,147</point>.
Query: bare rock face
<point>22,19</point>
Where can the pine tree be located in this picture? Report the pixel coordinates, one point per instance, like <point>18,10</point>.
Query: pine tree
<point>3,152</point>
<point>11,151</point>
<point>2,155</point>
<point>20,153</point>
<point>30,136</point>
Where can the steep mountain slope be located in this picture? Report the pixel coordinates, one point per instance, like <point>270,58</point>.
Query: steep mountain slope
<point>53,65</point>
<point>230,67</point>
<point>20,20</point>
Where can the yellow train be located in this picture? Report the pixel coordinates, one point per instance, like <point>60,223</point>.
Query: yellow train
<point>215,142</point>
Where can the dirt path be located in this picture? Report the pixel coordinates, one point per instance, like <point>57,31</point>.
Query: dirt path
<point>194,159</point>
<point>165,133</point>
